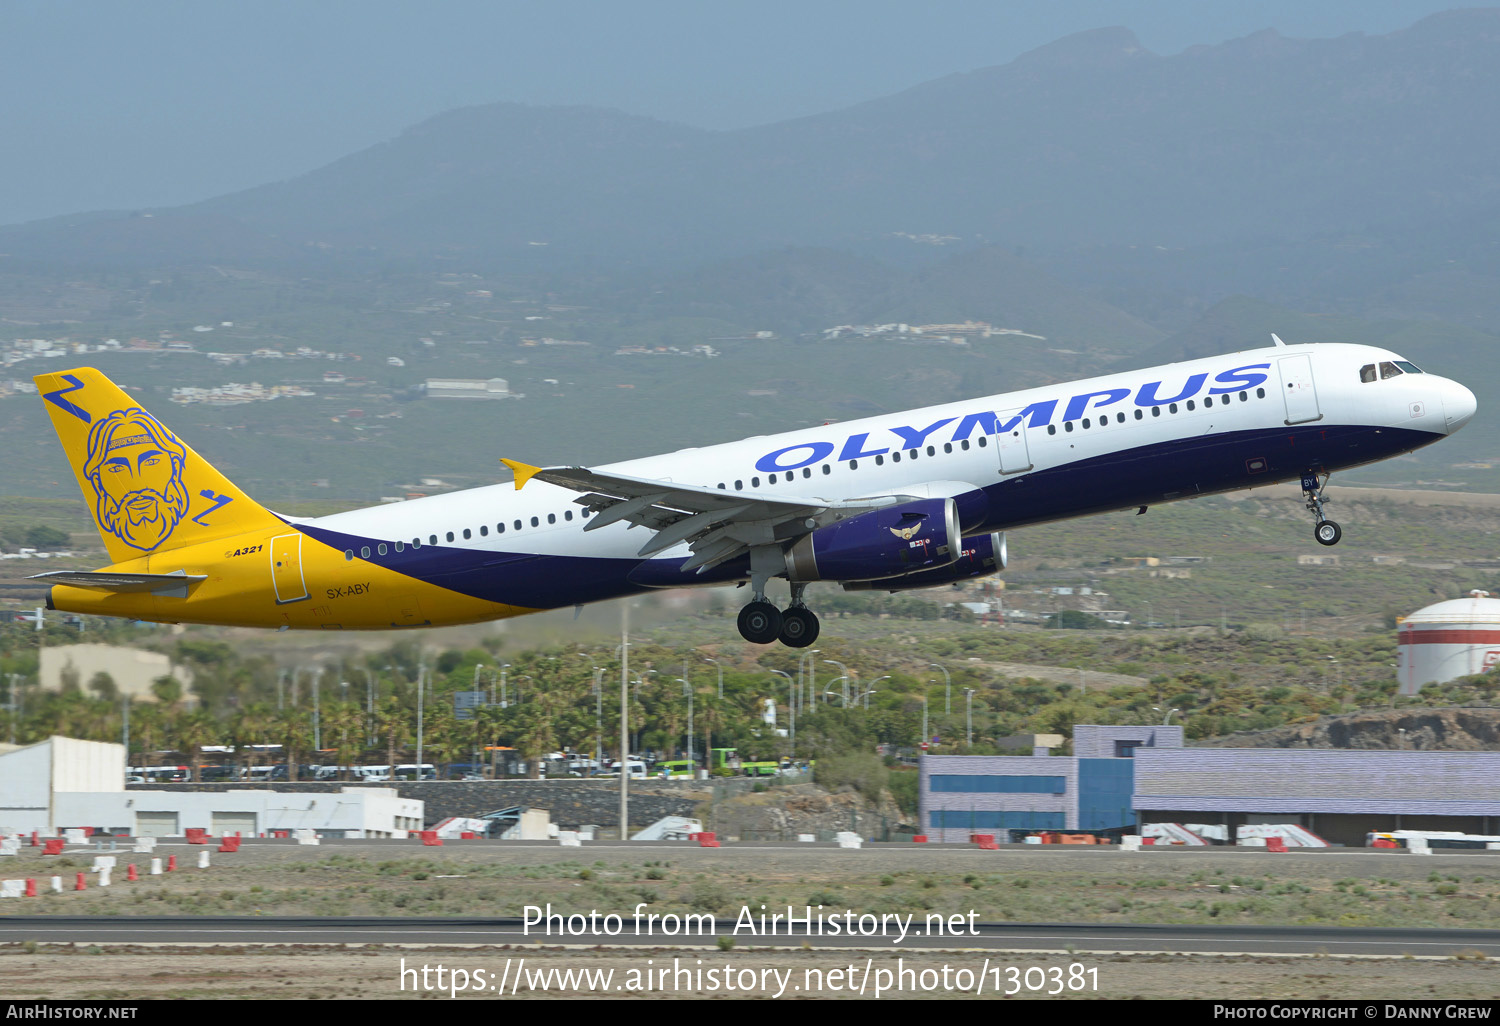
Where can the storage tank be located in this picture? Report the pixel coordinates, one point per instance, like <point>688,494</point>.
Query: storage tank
<point>1447,640</point>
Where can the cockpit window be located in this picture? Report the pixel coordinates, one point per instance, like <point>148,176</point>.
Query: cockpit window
<point>1367,372</point>
<point>1389,370</point>
<point>1410,368</point>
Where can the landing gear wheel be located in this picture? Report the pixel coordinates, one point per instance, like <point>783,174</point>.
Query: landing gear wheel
<point>1327,532</point>
<point>760,623</point>
<point>799,627</point>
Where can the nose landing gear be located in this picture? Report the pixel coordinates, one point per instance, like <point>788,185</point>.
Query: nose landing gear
<point>1325,531</point>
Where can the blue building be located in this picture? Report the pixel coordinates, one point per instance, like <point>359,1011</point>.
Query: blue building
<point>1090,790</point>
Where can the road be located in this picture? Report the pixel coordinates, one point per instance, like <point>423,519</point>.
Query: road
<point>1081,937</point>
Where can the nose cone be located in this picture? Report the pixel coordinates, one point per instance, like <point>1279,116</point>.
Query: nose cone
<point>1459,405</point>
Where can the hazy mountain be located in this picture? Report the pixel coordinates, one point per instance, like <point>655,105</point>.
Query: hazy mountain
<point>1091,140</point>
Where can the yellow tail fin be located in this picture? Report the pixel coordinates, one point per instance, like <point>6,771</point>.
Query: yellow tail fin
<point>148,491</point>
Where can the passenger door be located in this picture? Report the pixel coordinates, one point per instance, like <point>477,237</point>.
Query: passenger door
<point>1299,390</point>
<point>1015,454</point>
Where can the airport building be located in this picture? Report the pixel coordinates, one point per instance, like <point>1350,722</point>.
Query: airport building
<point>62,782</point>
<point>1088,791</point>
<point>1339,794</point>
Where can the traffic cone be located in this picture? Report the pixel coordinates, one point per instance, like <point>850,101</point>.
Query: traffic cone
<point>131,873</point>
<point>171,863</point>
<point>30,888</point>
<point>80,886</point>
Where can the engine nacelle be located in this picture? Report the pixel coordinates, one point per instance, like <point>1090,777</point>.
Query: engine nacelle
<point>898,539</point>
<point>982,556</point>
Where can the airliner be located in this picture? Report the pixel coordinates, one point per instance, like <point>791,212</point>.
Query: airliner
<point>891,502</point>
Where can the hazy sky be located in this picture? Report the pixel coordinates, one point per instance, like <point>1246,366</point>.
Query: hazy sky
<point>158,102</point>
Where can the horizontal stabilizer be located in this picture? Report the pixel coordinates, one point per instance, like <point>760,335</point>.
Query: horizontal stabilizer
<point>125,583</point>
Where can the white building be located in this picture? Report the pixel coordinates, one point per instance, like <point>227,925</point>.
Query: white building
<point>62,782</point>
<point>34,777</point>
<point>1447,640</point>
<point>467,388</point>
<point>250,812</point>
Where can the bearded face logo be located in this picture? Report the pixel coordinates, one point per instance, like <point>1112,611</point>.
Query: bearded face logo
<point>135,468</point>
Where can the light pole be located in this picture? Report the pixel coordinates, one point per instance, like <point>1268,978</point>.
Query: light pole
<point>720,665</point>
<point>1168,717</point>
<point>504,701</point>
<point>947,689</point>
<point>924,719</point>
<point>317,712</point>
<point>421,696</point>
<point>598,719</point>
<point>845,689</point>
<point>791,687</point>
<point>809,685</point>
<point>969,717</point>
<point>625,720</point>
<point>687,692</point>
<point>877,680</point>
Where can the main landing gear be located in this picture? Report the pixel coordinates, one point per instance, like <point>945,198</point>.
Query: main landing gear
<point>761,623</point>
<point>1324,530</point>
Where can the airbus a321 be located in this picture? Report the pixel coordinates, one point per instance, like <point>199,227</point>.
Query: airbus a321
<point>892,502</point>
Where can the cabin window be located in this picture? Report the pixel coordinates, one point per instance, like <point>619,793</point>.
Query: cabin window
<point>1139,414</point>
<point>880,461</point>
<point>827,469</point>
<point>721,486</point>
<point>416,543</point>
<point>467,534</point>
<point>584,514</point>
<point>1190,405</point>
<point>364,552</point>
<point>1085,423</point>
<point>1172,407</point>
<point>739,486</point>
<point>1260,393</point>
<point>1156,411</point>
<point>895,457</point>
<point>1389,370</point>
<point>964,445</point>
<point>551,518</point>
<point>535,522</point>
<point>948,447</point>
<point>517,525</point>
<point>1410,368</point>
<point>854,464</point>
<point>931,450</point>
<point>983,441</point>
<point>755,482</point>
<point>1067,425</point>
<point>380,548</point>
<point>432,540</point>
<point>567,514</point>
<point>1208,401</point>
<point>771,479</point>
<point>500,527</point>
<point>348,553</point>
<point>1367,373</point>
<point>1051,429</point>
<point>1120,417</point>
<point>484,530</point>
<point>450,535</point>
<point>807,472</point>
<point>400,546</point>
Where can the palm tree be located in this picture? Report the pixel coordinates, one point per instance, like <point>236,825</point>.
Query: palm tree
<point>194,730</point>
<point>394,723</point>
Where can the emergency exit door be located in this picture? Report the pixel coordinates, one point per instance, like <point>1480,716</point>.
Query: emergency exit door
<point>286,568</point>
<point>1299,390</point>
<point>1015,455</point>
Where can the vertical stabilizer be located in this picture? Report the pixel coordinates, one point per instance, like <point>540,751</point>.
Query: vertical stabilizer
<point>147,490</point>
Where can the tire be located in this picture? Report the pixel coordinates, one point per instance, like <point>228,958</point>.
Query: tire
<point>1327,532</point>
<point>760,623</point>
<point>799,627</point>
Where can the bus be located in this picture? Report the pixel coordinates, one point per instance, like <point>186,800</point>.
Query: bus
<point>408,771</point>
<point>161,774</point>
<point>1433,839</point>
<point>675,769</point>
<point>724,760</point>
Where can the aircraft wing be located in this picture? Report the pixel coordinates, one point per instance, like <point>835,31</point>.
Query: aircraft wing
<point>717,525</point>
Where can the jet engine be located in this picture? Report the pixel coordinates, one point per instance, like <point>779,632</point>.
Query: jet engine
<point>982,555</point>
<point>902,538</point>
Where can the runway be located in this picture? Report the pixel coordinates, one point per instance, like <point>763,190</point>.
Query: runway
<point>1079,937</point>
